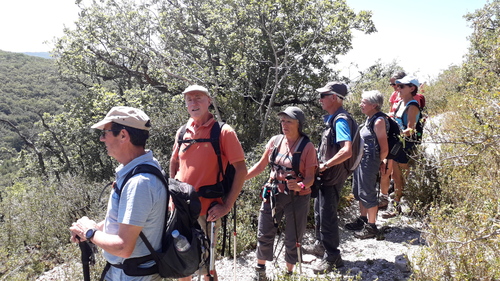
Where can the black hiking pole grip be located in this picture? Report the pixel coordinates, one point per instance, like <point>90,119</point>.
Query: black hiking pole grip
<point>86,258</point>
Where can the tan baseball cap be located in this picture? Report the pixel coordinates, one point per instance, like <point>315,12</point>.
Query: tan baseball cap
<point>127,116</point>
<point>196,88</point>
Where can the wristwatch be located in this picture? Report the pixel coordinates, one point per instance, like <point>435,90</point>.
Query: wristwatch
<point>90,233</point>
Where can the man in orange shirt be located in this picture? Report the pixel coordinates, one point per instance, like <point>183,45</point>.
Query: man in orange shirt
<point>196,162</point>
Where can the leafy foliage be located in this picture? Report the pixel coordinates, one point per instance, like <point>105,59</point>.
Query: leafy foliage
<point>464,225</point>
<point>29,88</point>
<point>256,55</point>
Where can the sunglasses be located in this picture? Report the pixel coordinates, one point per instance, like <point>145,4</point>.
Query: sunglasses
<point>103,133</point>
<point>393,84</point>
<point>402,86</point>
<point>323,95</point>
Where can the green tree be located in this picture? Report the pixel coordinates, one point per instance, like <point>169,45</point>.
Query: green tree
<point>254,56</point>
<point>463,226</point>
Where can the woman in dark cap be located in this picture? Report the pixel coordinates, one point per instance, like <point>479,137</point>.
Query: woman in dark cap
<point>287,191</point>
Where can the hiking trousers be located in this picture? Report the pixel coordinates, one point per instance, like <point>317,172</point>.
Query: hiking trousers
<point>326,220</point>
<point>267,231</point>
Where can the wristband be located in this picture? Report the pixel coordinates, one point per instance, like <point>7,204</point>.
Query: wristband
<point>301,185</point>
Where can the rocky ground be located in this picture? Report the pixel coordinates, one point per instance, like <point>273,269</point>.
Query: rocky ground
<point>371,259</point>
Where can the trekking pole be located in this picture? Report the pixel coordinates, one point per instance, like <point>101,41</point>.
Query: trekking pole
<point>297,243</point>
<point>234,244</point>
<point>280,234</point>
<point>377,184</point>
<point>87,258</point>
<point>211,266</point>
<point>272,203</point>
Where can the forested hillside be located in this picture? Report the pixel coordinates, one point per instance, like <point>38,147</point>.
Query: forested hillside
<point>29,87</point>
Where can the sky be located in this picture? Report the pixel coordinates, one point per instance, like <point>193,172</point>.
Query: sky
<point>425,37</point>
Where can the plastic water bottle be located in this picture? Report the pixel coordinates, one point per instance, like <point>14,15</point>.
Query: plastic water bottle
<point>180,242</point>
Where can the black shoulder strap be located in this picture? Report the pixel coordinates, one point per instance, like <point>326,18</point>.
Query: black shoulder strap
<point>297,154</point>
<point>411,103</point>
<point>277,144</point>
<point>143,168</point>
<point>215,140</point>
<point>376,116</point>
<point>182,132</point>
<point>150,169</point>
<point>415,103</point>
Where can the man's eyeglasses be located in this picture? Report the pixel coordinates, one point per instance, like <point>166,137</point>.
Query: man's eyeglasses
<point>103,133</point>
<point>323,95</point>
<point>393,84</point>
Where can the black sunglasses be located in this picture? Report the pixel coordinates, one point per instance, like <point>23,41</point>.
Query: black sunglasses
<point>393,84</point>
<point>402,86</point>
<point>103,132</point>
<point>323,95</point>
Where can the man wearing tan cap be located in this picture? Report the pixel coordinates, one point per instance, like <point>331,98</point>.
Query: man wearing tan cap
<point>196,162</point>
<point>143,200</point>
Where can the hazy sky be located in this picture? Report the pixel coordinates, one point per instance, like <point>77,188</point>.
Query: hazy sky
<point>424,36</point>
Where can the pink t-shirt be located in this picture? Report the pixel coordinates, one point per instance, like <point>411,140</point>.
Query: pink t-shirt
<point>393,100</point>
<point>198,164</point>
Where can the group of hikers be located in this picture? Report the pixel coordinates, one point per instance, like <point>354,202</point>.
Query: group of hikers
<point>140,207</point>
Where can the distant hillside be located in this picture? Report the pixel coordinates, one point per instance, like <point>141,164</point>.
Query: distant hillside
<point>45,55</point>
<point>28,86</point>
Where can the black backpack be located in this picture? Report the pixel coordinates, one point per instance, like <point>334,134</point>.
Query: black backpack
<point>169,262</point>
<point>220,188</point>
<point>394,138</point>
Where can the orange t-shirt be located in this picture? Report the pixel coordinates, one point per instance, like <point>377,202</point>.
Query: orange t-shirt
<point>308,159</point>
<point>198,164</point>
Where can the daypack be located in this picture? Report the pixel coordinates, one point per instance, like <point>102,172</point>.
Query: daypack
<point>295,155</point>
<point>222,187</point>
<point>419,127</point>
<point>394,139</point>
<point>357,142</point>
<point>169,262</point>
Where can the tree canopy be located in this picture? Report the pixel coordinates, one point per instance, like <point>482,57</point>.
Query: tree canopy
<point>254,56</point>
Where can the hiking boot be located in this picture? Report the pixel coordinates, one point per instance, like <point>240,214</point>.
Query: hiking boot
<point>328,266</point>
<point>357,224</point>
<point>369,231</point>
<point>383,201</point>
<point>260,274</point>
<point>393,210</point>
<point>316,249</point>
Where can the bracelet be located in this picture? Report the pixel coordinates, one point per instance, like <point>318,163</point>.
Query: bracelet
<point>301,185</point>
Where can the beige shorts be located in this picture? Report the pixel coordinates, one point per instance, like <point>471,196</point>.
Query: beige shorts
<point>202,220</point>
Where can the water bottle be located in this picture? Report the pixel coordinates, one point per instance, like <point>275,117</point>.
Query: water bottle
<point>180,242</point>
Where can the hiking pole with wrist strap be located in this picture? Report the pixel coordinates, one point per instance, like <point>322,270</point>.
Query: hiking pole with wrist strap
<point>297,243</point>
<point>87,258</point>
<point>234,244</point>
<point>211,265</point>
